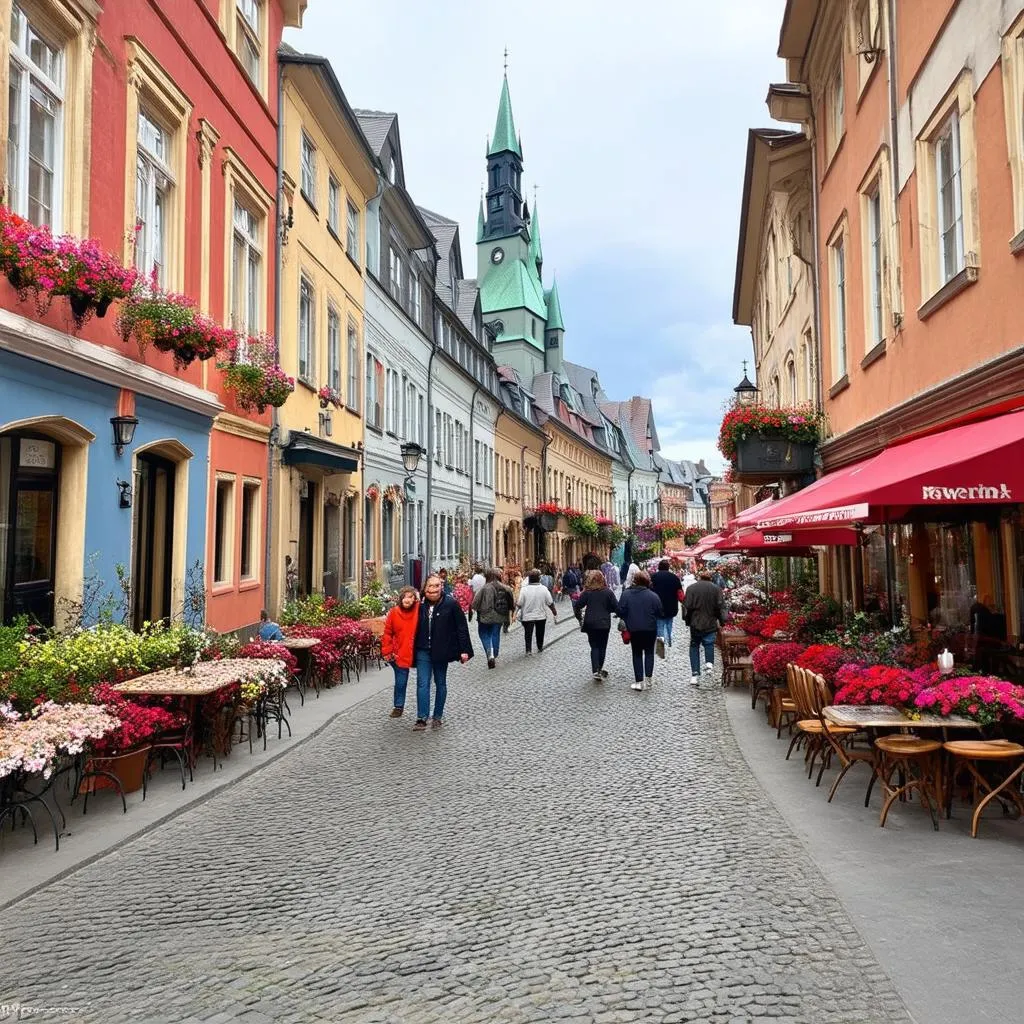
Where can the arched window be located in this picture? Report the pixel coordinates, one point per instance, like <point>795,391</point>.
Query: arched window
<point>791,380</point>
<point>776,391</point>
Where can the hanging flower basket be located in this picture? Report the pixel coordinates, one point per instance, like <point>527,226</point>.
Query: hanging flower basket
<point>759,439</point>
<point>329,396</point>
<point>254,376</point>
<point>581,524</point>
<point>90,277</point>
<point>171,323</point>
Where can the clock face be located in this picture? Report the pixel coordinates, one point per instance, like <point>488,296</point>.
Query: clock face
<point>497,255</point>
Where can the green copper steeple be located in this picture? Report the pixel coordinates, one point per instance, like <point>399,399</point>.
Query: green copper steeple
<point>536,253</point>
<point>480,223</point>
<point>505,139</point>
<point>554,309</point>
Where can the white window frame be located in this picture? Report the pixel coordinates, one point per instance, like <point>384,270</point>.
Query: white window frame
<point>951,252</point>
<point>254,487</point>
<point>414,295</point>
<point>246,32</point>
<point>223,558</point>
<point>838,271</point>
<point>307,329</point>
<point>394,273</point>
<point>876,264</point>
<point>333,347</point>
<point>19,159</point>
<point>354,366</point>
<point>246,290</point>
<point>352,230</point>
<point>333,204</point>
<point>307,168</point>
<point>154,198</point>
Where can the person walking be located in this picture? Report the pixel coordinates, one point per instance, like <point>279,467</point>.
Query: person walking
<point>630,575</point>
<point>611,575</point>
<point>666,584</point>
<point>442,636</point>
<point>688,580</point>
<point>571,583</point>
<point>640,608</point>
<point>704,612</point>
<point>594,609</point>
<point>547,578</point>
<point>478,580</point>
<point>398,643</point>
<point>534,602</point>
<point>493,605</point>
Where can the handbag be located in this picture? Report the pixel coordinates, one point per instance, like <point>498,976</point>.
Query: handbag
<point>625,636</point>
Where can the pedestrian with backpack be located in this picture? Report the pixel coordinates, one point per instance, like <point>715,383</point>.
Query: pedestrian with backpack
<point>493,605</point>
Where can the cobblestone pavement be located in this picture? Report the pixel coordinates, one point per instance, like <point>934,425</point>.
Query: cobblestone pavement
<point>561,850</point>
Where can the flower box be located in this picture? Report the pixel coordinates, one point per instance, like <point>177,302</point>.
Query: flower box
<point>128,769</point>
<point>547,521</point>
<point>761,455</point>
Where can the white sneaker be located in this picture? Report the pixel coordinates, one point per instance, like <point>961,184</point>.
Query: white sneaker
<point>659,647</point>
<point>708,669</point>
<point>695,680</point>
<point>636,686</point>
<point>648,683</point>
<point>596,676</point>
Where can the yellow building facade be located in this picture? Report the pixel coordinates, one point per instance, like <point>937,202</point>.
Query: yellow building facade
<point>329,175</point>
<point>518,455</point>
<point>579,476</point>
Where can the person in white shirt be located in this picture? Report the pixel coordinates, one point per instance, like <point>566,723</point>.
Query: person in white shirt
<point>630,573</point>
<point>534,602</point>
<point>688,580</point>
<point>478,579</point>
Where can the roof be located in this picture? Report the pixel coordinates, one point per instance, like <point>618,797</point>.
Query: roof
<point>444,232</point>
<point>504,139</point>
<point>640,418</point>
<point>762,144</point>
<point>554,309</point>
<point>376,124</point>
<point>510,285</point>
<point>466,306</point>
<point>543,393</point>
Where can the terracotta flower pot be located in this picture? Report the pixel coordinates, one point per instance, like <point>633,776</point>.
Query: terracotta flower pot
<point>374,625</point>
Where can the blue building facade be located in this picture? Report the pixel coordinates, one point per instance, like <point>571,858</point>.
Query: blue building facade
<point>82,526</point>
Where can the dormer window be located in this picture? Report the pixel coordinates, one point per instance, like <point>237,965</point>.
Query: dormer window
<point>391,168</point>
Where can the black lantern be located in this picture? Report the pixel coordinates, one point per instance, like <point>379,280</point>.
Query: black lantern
<point>746,392</point>
<point>411,454</point>
<point>124,431</point>
<point>124,494</point>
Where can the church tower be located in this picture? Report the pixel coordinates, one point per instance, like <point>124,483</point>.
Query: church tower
<point>509,262</point>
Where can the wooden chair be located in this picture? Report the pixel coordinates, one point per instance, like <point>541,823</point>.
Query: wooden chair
<point>971,754</point>
<point>917,763</point>
<point>809,726</point>
<point>847,755</point>
<point>736,663</point>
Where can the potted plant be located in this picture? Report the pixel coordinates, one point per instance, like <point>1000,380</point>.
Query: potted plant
<point>90,277</point>
<point>759,440</point>
<point>329,396</point>
<point>171,323</point>
<point>581,524</point>
<point>252,373</point>
<point>546,514</point>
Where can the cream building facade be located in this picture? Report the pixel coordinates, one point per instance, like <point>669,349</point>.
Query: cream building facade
<point>329,175</point>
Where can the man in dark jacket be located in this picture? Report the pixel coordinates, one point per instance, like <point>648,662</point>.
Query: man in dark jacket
<point>666,584</point>
<point>704,613</point>
<point>442,636</point>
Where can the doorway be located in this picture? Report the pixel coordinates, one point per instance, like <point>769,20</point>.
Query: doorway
<point>307,520</point>
<point>332,550</point>
<point>29,471</point>
<point>153,554</point>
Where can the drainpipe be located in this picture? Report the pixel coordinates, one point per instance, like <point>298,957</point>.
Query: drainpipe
<point>893,108</point>
<point>544,493</point>
<point>275,417</point>
<point>522,493</point>
<point>818,344</point>
<point>472,469</point>
<point>431,445</point>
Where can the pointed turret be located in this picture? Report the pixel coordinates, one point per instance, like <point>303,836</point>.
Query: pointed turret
<point>554,331</point>
<point>554,309</point>
<point>480,223</point>
<point>505,139</point>
<point>536,253</point>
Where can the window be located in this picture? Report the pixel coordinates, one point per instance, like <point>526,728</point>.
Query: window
<point>223,529</point>
<point>352,231</point>
<point>395,273</point>
<point>374,392</point>
<point>353,367</point>
<point>414,295</point>
<point>248,36</point>
<point>246,271</point>
<point>333,205</point>
<point>250,530</point>
<point>387,531</point>
<point>419,419</point>
<point>835,111</point>
<point>307,328</point>
<point>791,381</point>
<point>838,255</point>
<point>154,183</point>
<point>807,356</point>
<point>35,123</point>
<point>950,199</point>
<point>333,349</point>
<point>876,272</point>
<point>308,169</point>
<point>437,438</point>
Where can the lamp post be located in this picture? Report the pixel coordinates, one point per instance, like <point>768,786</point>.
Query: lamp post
<point>746,392</point>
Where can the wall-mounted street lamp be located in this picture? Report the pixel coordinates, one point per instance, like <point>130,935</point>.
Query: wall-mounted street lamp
<point>746,392</point>
<point>411,455</point>
<point>125,495</point>
<point>124,432</point>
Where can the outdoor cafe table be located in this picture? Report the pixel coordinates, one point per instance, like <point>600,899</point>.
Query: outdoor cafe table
<point>202,680</point>
<point>302,646</point>
<point>879,716</point>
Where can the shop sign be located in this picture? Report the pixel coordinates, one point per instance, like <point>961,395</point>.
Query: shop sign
<point>35,454</point>
<point>979,493</point>
<point>778,538</point>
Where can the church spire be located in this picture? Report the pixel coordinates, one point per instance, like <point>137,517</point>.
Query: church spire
<point>480,222</point>
<point>504,139</point>
<point>536,253</point>
<point>554,309</point>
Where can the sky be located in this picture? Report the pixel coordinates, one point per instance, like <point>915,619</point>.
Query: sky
<point>634,121</point>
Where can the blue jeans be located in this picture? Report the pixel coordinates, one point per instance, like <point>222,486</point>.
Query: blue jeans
<point>665,629</point>
<point>425,671</point>
<point>697,640</point>
<point>490,637</point>
<point>401,682</point>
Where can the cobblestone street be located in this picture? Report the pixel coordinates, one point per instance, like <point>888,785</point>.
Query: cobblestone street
<point>560,850</point>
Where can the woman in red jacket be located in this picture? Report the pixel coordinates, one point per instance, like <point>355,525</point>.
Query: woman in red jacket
<point>399,640</point>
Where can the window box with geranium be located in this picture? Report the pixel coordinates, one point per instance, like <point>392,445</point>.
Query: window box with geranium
<point>763,441</point>
<point>172,323</point>
<point>329,396</point>
<point>90,277</point>
<point>252,374</point>
<point>546,515</point>
<point>581,524</point>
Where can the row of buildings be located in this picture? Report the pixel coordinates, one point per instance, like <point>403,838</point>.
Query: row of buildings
<point>433,408</point>
<point>879,267</point>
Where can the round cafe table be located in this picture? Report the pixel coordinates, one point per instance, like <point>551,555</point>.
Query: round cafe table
<point>302,646</point>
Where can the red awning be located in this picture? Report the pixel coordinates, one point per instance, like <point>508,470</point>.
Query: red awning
<point>749,516</point>
<point>767,541</point>
<point>975,464</point>
<point>706,544</point>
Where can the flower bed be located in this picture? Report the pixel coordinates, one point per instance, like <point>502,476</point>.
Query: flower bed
<point>770,659</point>
<point>33,744</point>
<point>824,660</point>
<point>137,722</point>
<point>983,698</point>
<point>262,650</point>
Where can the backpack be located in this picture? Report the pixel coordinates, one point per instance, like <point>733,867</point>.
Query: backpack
<point>502,602</point>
